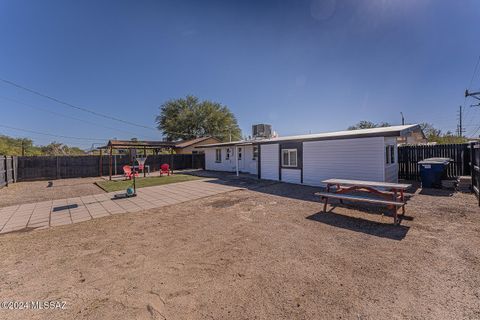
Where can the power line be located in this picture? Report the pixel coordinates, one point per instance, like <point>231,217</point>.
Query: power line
<point>469,87</point>
<point>98,114</point>
<point>69,117</point>
<point>90,111</point>
<point>51,134</point>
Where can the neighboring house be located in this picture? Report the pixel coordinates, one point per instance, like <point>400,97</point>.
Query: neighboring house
<point>190,146</point>
<point>365,154</point>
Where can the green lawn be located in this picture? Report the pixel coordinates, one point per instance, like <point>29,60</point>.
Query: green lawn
<point>118,185</point>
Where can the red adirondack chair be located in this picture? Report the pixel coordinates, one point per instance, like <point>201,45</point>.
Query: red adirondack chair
<point>165,168</point>
<point>127,172</point>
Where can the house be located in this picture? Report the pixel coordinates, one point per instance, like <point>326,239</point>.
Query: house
<point>365,154</point>
<point>189,146</point>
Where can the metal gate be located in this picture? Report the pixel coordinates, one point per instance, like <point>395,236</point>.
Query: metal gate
<point>475,168</point>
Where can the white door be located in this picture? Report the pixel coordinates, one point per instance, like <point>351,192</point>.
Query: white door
<point>241,159</point>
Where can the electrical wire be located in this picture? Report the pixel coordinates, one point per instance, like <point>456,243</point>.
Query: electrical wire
<point>98,114</point>
<point>70,117</point>
<point>51,134</point>
<point>88,110</point>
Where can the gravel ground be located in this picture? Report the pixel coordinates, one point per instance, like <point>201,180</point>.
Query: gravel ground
<point>36,191</point>
<point>254,254</point>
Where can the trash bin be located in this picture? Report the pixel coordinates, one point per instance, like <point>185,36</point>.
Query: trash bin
<point>432,171</point>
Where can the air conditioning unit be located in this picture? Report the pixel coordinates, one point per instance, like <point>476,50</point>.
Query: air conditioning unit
<point>261,131</point>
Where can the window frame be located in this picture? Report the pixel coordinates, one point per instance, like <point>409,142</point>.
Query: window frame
<point>390,154</point>
<point>227,154</point>
<point>289,152</point>
<point>218,155</point>
<point>239,154</point>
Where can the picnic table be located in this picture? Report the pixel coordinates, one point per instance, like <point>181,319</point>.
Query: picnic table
<point>393,193</point>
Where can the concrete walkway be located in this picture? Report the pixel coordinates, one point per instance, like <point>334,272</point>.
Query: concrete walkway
<point>47,214</point>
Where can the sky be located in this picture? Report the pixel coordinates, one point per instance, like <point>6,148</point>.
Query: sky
<point>301,65</point>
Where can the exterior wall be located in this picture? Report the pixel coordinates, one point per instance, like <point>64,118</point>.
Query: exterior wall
<point>269,161</point>
<point>224,165</point>
<point>391,170</point>
<point>246,165</point>
<point>291,175</point>
<point>361,158</point>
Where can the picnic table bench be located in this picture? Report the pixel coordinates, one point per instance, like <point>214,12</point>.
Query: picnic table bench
<point>393,193</point>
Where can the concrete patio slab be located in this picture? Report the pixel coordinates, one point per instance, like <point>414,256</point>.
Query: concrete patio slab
<point>59,212</point>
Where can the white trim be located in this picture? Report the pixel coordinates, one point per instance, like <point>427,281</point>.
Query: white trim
<point>289,165</point>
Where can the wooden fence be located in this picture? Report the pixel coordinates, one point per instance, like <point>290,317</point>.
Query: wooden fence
<point>61,167</point>
<point>8,170</point>
<point>475,168</point>
<point>409,156</point>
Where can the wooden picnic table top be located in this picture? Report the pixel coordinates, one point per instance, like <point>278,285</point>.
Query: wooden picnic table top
<point>362,183</point>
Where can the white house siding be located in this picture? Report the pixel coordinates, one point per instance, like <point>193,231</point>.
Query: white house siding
<point>224,165</point>
<point>391,170</point>
<point>360,158</point>
<point>291,175</point>
<point>269,160</point>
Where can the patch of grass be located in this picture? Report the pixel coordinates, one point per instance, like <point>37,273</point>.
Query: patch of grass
<point>122,185</point>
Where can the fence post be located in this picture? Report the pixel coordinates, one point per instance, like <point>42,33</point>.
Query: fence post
<point>57,167</point>
<point>6,170</point>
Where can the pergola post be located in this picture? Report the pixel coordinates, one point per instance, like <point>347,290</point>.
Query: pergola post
<point>171,159</point>
<point>110,164</point>
<point>145,155</point>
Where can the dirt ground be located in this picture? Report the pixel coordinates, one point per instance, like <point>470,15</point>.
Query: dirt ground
<point>266,253</point>
<point>36,191</point>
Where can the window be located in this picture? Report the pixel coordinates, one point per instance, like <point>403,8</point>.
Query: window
<point>255,153</point>
<point>389,154</point>
<point>289,157</point>
<point>218,155</point>
<point>227,157</point>
<point>239,153</point>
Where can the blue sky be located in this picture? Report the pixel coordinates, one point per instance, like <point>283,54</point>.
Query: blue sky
<point>302,66</point>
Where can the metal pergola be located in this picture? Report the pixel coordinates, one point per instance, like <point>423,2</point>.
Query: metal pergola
<point>127,144</point>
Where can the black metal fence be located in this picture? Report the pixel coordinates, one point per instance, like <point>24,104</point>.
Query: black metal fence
<point>409,156</point>
<point>8,170</point>
<point>61,167</point>
<point>475,168</point>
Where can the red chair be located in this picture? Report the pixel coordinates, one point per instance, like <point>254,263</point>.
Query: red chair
<point>164,168</point>
<point>127,172</point>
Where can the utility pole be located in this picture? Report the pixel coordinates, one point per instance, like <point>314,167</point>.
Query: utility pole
<point>403,119</point>
<point>460,129</point>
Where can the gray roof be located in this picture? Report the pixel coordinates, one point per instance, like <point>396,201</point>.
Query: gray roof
<point>393,131</point>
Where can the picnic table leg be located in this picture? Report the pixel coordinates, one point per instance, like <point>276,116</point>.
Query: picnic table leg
<point>326,199</point>
<point>402,198</point>
<point>338,189</point>
<point>395,216</point>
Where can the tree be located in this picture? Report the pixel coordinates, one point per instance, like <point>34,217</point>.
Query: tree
<point>368,125</point>
<point>435,135</point>
<point>13,147</point>
<point>189,118</point>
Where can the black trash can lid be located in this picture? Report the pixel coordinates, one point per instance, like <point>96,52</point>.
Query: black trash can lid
<point>443,161</point>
